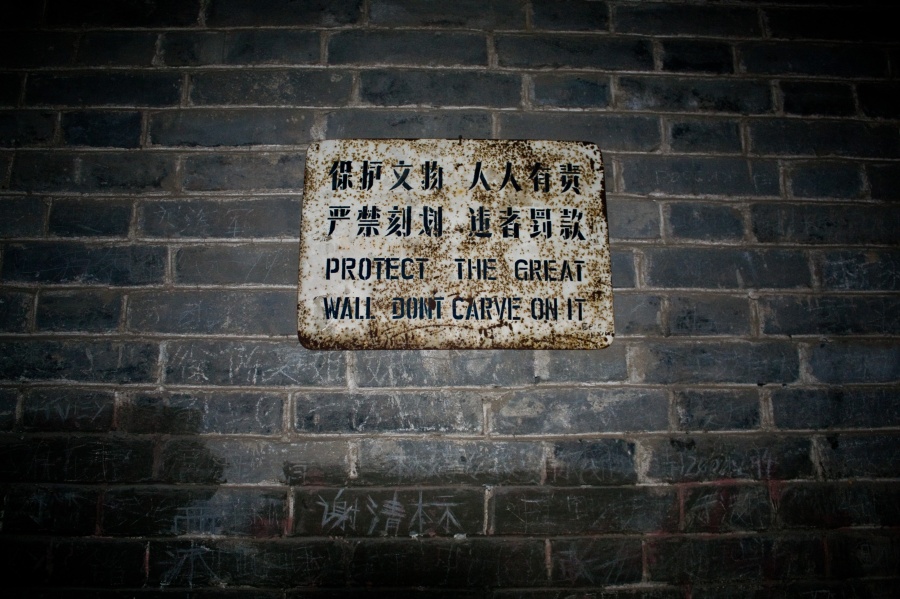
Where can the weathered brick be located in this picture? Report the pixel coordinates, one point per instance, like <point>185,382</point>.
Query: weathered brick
<point>470,14</point>
<point>594,462</point>
<point>56,510</point>
<point>860,23</point>
<point>266,264</point>
<point>591,561</point>
<point>664,19</point>
<point>833,315</point>
<point>9,399</point>
<point>571,91</point>
<point>396,412</point>
<point>860,456</point>
<point>271,46</point>
<point>127,13</point>
<point>10,88</point>
<point>860,270</point>
<point>15,309</point>
<point>439,88</point>
<point>816,98</point>
<point>632,219</point>
<point>571,16</point>
<point>252,363</point>
<point>622,264</point>
<point>710,458</point>
<point>707,222</point>
<point>883,181</point>
<point>26,128</point>
<point>91,311</point>
<point>717,410</point>
<point>855,362</point>
<point>658,591</point>
<point>826,179</point>
<point>724,268</point>
<point>445,368</point>
<point>835,408</point>
<point>271,87</point>
<point>240,127</point>
<point>200,217</point>
<point>866,554</point>
<point>67,410</point>
<point>813,59</point>
<point>427,48</point>
<point>25,49</point>
<point>726,508</point>
<point>90,361</point>
<point>194,48</point>
<point>408,124</point>
<point>147,88</point>
<point>718,95</point>
<point>692,135</point>
<point>697,56</point>
<point>99,129</point>
<point>222,412</point>
<point>574,51</point>
<point>386,461</point>
<point>588,511</point>
<point>565,411</point>
<point>59,262</point>
<point>708,315</point>
<point>281,13</point>
<point>874,99</point>
<point>116,48</point>
<point>699,176</point>
<point>637,314</point>
<point>213,312</point>
<point>103,563</point>
<point>21,217</point>
<point>218,172</point>
<point>838,504</point>
<point>826,224</point>
<point>90,218</point>
<point>719,361</point>
<point>83,459</point>
<point>86,172</point>
<point>586,367</point>
<point>611,132</point>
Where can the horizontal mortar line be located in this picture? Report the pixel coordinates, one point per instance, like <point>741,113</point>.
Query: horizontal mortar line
<point>175,152</point>
<point>734,433</point>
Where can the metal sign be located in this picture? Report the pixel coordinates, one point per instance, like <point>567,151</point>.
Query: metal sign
<point>446,244</point>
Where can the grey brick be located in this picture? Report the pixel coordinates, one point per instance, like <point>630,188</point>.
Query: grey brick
<point>571,91</point>
<point>447,462</point>
<point>860,23</point>
<point>252,363</point>
<point>241,218</point>
<point>9,399</point>
<point>118,362</point>
<point>26,128</point>
<point>708,315</point>
<point>427,48</point>
<point>717,410</point>
<point>719,95</point>
<point>218,172</point>
<point>441,411</point>
<point>654,18</point>
<point>757,362</point>
<point>637,314</point>
<point>221,412</point>
<point>584,561</point>
<point>569,411</point>
<point>693,135</point>
<point>826,179</point>
<point>823,223</point>
<point>76,459</point>
<point>444,368</point>
<point>860,456</point>
<point>836,408</point>
<point>28,49</point>
<point>817,98</point>
<point>86,264</point>
<point>726,508</point>
<point>266,264</point>
<point>813,59</point>
<point>194,48</point>
<point>82,172</point>
<point>855,362</point>
<point>281,13</point>
<point>271,47</point>
<point>116,129</point>
<point>68,410</point>
<point>622,264</point>
<point>90,218</point>
<point>139,88</point>
<point>611,132</point>
<point>875,99</point>
<point>632,219</point>
<point>860,270</point>
<point>241,127</point>
<point>15,308</point>
<point>10,88</point>
<point>575,51</point>
<point>838,505</point>
<point>587,366</point>
<point>271,87</point>
<point>90,311</point>
<point>55,510</point>
<point>116,48</point>
<point>832,315</point>
<point>21,216</point>
<point>595,462</point>
<point>723,268</point>
<point>699,176</point>
<point>883,181</point>
<point>351,124</point>
<point>707,222</point>
<point>440,88</point>
<point>213,312</point>
<point>697,56</point>
<point>572,15</point>
<point>127,13</point>
<point>471,14</point>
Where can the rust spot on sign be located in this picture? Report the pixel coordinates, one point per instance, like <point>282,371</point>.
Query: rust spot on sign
<point>454,244</point>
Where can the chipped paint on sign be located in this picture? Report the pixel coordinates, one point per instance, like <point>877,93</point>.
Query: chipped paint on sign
<point>446,244</point>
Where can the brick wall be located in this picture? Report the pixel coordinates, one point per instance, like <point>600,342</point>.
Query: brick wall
<point>162,429</point>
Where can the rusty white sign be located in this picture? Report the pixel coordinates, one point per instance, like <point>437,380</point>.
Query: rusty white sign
<point>454,244</point>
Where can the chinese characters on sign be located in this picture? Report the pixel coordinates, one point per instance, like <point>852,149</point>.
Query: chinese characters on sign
<point>440,244</point>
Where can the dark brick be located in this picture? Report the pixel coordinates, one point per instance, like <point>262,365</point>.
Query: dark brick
<point>181,49</point>
<point>252,363</point>
<point>271,87</point>
<point>665,19</point>
<point>875,99</point>
<point>612,132</point>
<point>861,270</point>
<point>710,458</point>
<point>408,124</point>
<point>832,315</point>
<point>146,88</point>
<point>10,89</point>
<point>759,362</point>
<point>470,14</point>
<point>9,399</point>
<point>693,135</point>
<point>707,222</point>
<point>68,410</point>
<point>90,218</point>
<point>835,408</point>
<point>724,268</point>
<point>717,410</point>
<point>123,13</point>
<point>866,554</point>
<point>829,224</point>
<point>15,309</point>
<point>586,367</point>
<point>281,13</point>
<point>56,510</point>
<point>388,461</point>
<point>440,88</point>
<point>389,512</point>
<point>26,16</point>
<point>548,511</point>
<point>83,172</point>
<point>637,314</point>
<point>622,264</point>
<point>708,315</point>
<point>814,98</point>
<point>595,462</point>
<point>565,411</point>
<point>572,15</point>
<point>699,176</point>
<point>242,218</point>
<point>26,128</point>
<point>726,508</point>
<point>719,95</point>
<point>857,24</point>
<point>116,129</point>
<point>571,91</point>
<point>444,368</point>
<point>813,59</point>
<point>633,219</point>
<point>103,563</point>
<point>826,179</point>
<point>266,264</point>
<point>26,559</point>
<point>213,312</point>
<point>883,181</point>
<point>230,127</point>
<point>21,217</point>
<point>855,362</point>
<point>271,47</point>
<point>589,561</point>
<point>218,172</point>
<point>24,49</point>
<point>860,456</point>
<point>430,48</point>
<point>91,361</point>
<point>59,262</point>
<point>839,505</point>
<point>186,413</point>
<point>656,592</point>
<point>697,56</point>
<point>116,48</point>
<point>175,512</point>
<point>575,51</point>
<point>84,459</point>
<point>91,311</point>
<point>397,412</point>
